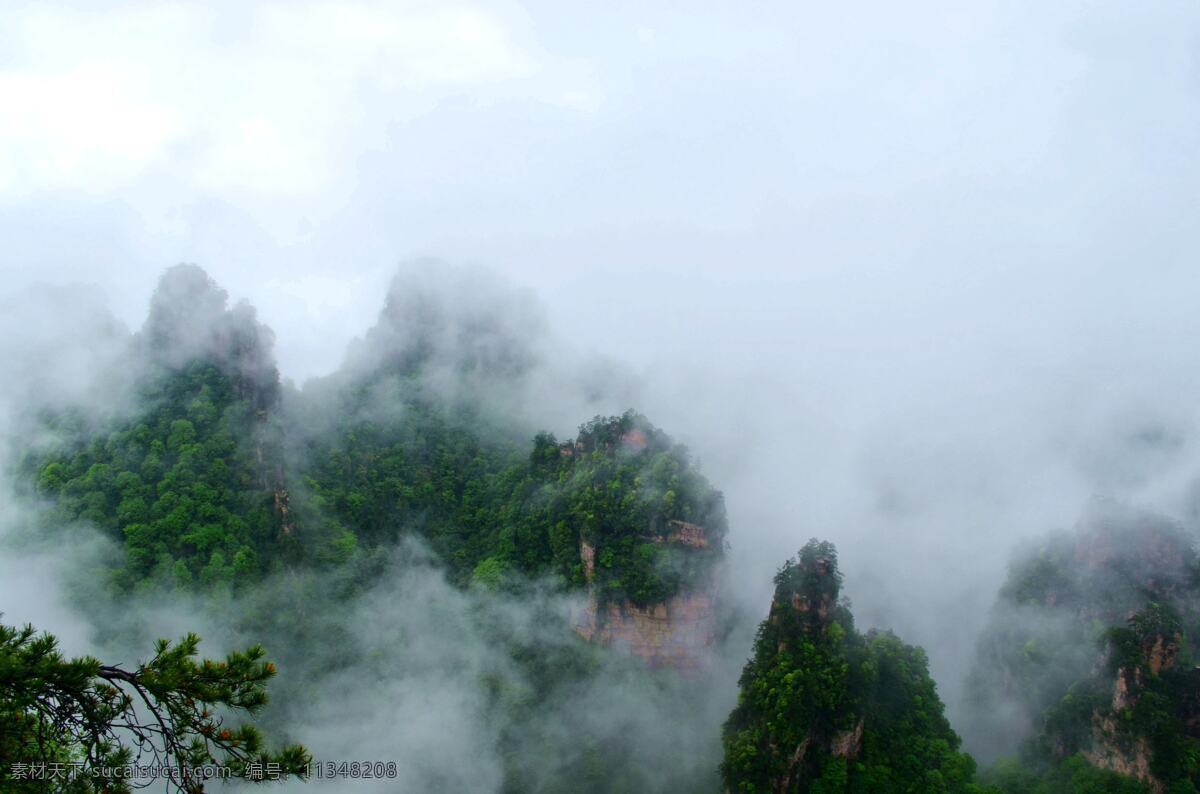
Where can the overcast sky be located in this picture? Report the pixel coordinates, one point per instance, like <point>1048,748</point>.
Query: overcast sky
<point>914,276</point>
<point>851,179</point>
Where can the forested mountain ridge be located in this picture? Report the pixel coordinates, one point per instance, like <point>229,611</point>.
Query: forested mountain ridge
<point>285,509</point>
<point>188,480</point>
<point>221,485</point>
<point>219,474</point>
<point>1090,657</point>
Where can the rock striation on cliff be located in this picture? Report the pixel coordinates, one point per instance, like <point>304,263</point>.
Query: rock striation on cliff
<point>674,634</point>
<point>1087,659</point>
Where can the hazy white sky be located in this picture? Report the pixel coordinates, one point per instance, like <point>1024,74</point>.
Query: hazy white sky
<point>922,274</point>
<point>856,180</point>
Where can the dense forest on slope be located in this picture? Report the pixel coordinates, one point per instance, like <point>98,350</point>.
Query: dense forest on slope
<point>1090,657</point>
<point>213,479</point>
<point>404,517</point>
<point>180,483</point>
<point>491,508</point>
<point>285,511</point>
<point>824,708</point>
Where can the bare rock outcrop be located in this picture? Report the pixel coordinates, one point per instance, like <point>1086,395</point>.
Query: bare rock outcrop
<point>674,634</point>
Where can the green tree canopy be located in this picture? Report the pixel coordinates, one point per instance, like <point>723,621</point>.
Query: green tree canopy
<point>823,708</point>
<point>87,721</point>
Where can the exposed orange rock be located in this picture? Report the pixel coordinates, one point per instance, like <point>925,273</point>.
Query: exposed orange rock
<point>1163,653</point>
<point>1109,749</point>
<point>674,634</point>
<point>1129,759</point>
<point>848,744</point>
<point>1123,697</point>
<point>686,534</point>
<point>635,439</point>
<point>587,553</point>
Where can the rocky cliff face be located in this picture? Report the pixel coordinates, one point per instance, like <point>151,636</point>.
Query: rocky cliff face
<point>675,634</point>
<point>1110,749</point>
<point>1046,634</point>
<point>1137,715</point>
<point>1130,759</point>
<point>1154,671</point>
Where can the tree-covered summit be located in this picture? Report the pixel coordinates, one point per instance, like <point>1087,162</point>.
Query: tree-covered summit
<point>492,509</point>
<point>215,474</point>
<point>823,708</point>
<point>185,477</point>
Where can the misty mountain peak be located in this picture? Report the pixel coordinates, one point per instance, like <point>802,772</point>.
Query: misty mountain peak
<point>808,585</point>
<point>189,320</point>
<point>186,307</point>
<point>455,324</point>
<point>825,708</point>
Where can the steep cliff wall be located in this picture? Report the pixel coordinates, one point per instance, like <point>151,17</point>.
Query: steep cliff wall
<point>673,634</point>
<point>1046,634</point>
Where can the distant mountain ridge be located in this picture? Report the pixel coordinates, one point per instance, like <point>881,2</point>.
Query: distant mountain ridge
<point>220,474</point>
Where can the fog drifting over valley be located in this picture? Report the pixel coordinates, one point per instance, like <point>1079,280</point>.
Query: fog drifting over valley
<point>915,279</point>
